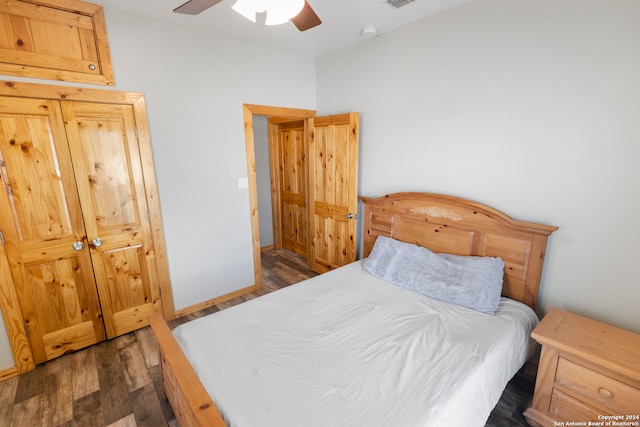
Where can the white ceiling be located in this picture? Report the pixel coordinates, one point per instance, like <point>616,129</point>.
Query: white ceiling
<point>342,21</point>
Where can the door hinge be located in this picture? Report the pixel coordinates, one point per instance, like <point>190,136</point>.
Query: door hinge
<point>26,330</point>
<point>1,238</point>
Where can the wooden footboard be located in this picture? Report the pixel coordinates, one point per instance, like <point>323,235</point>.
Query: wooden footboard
<point>186,394</point>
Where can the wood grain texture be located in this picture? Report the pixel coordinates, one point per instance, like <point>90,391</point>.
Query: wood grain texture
<point>456,220</point>
<point>333,190</point>
<point>110,181</point>
<point>188,398</point>
<point>587,368</point>
<point>292,176</point>
<point>58,40</point>
<point>463,227</point>
<point>68,93</point>
<point>40,218</point>
<point>8,373</point>
<point>153,206</point>
<point>13,320</point>
<point>249,110</point>
<point>614,348</point>
<point>89,398</point>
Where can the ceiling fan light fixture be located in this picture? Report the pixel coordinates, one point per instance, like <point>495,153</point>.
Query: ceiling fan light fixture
<point>278,11</point>
<point>248,8</point>
<point>281,11</point>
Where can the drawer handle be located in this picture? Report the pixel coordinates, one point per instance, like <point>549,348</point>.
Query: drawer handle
<point>605,393</point>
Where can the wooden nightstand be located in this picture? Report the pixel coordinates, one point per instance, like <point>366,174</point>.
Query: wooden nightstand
<point>588,370</point>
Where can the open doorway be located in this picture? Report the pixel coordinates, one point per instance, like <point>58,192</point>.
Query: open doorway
<point>270,113</point>
<point>282,177</point>
<point>263,181</point>
<point>330,198</point>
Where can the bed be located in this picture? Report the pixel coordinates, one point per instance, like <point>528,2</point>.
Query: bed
<point>368,343</point>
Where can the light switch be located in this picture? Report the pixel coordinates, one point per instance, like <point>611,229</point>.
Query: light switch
<point>243,183</point>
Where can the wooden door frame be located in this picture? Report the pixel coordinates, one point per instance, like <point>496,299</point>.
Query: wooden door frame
<point>13,319</point>
<point>249,110</point>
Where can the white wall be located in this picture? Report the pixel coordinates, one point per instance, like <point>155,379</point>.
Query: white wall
<point>6,355</point>
<point>532,107</point>
<point>195,86</point>
<point>263,179</point>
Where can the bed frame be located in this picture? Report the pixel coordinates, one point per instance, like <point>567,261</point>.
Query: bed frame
<point>462,227</point>
<point>441,223</point>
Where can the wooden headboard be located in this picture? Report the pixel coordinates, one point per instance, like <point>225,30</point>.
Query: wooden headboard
<point>462,227</point>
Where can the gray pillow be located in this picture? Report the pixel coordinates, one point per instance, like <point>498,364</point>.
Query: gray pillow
<point>469,281</point>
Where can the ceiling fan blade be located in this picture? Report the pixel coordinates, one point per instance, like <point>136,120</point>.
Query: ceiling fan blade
<point>306,19</point>
<point>194,7</point>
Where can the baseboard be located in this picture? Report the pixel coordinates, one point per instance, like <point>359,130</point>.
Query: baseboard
<point>11,372</point>
<point>213,301</point>
<point>267,248</point>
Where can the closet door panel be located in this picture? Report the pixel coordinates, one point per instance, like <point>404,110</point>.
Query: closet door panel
<point>107,165</point>
<point>41,221</point>
<point>128,292</point>
<point>37,188</point>
<point>58,295</point>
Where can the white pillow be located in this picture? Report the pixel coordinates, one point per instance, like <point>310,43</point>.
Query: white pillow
<point>469,281</point>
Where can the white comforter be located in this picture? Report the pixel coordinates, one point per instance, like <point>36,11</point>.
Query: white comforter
<point>347,349</point>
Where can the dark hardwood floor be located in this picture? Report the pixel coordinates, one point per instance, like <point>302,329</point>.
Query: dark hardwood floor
<point>117,383</point>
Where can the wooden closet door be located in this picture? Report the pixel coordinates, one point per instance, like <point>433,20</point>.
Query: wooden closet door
<point>107,164</point>
<point>333,190</point>
<point>44,235</point>
<point>293,187</point>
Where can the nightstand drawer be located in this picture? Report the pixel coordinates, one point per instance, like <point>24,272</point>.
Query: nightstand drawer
<point>566,408</point>
<point>587,369</point>
<point>595,387</point>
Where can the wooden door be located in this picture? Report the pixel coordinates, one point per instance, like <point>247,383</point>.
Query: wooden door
<point>53,39</point>
<point>333,190</point>
<point>44,235</point>
<point>107,164</point>
<point>292,186</point>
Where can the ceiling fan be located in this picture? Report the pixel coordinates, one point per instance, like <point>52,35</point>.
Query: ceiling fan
<point>304,20</point>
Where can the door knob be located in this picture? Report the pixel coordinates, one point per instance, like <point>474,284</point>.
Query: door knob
<point>97,242</point>
<point>78,245</point>
<point>351,216</point>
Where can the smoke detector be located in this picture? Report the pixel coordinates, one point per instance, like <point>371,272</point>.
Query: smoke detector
<point>368,32</point>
